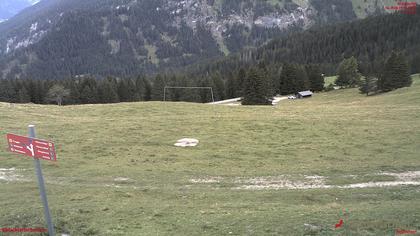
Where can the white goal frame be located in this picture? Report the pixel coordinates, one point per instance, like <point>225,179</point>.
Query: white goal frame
<point>176,87</point>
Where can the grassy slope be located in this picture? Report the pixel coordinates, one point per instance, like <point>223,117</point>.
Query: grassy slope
<point>330,80</point>
<point>333,134</point>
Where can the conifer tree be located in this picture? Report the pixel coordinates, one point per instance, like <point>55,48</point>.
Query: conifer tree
<point>231,86</point>
<point>123,91</point>
<point>133,95</point>
<point>268,85</point>
<point>241,76</point>
<point>301,82</point>
<point>218,87</point>
<point>158,87</point>
<point>74,96</point>
<point>108,92</point>
<point>7,91</point>
<point>144,88</point>
<point>87,96</point>
<point>288,77</point>
<point>24,95</point>
<point>396,73</point>
<point>368,85</point>
<point>316,79</point>
<point>348,73</point>
<point>147,90</point>
<point>254,89</point>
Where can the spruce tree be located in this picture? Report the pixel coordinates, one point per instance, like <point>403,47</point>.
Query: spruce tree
<point>316,79</point>
<point>87,96</point>
<point>348,73</point>
<point>288,78</point>
<point>108,92</point>
<point>123,91</point>
<point>133,95</point>
<point>241,77</point>
<point>396,73</point>
<point>24,95</point>
<point>231,87</point>
<point>369,85</point>
<point>218,87</point>
<point>7,91</point>
<point>254,89</point>
<point>74,96</point>
<point>147,91</point>
<point>158,87</point>
<point>144,88</point>
<point>301,82</point>
<point>268,85</point>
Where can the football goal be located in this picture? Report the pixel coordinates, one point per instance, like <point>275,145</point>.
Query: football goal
<point>167,88</point>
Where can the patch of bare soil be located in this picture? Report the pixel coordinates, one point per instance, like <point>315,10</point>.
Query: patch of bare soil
<point>10,175</point>
<point>207,180</point>
<point>309,182</point>
<point>282,182</point>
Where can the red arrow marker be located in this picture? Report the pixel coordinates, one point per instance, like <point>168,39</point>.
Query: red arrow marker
<point>339,224</point>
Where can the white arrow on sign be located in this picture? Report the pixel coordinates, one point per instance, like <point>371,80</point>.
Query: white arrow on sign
<point>31,149</point>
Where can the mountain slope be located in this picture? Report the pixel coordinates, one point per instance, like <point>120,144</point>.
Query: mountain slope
<point>61,38</point>
<point>370,40</point>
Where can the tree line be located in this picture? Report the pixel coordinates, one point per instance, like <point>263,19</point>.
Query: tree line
<point>89,90</point>
<point>257,85</point>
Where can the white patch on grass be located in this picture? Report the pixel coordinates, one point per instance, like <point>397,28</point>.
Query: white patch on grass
<point>310,182</point>
<point>282,182</point>
<point>409,175</point>
<point>9,175</point>
<point>123,180</point>
<point>207,180</point>
<point>380,184</point>
<point>187,142</point>
<point>318,182</point>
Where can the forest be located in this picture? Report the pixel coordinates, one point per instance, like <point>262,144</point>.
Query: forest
<point>284,66</point>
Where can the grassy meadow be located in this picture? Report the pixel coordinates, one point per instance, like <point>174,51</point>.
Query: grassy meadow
<point>330,80</point>
<point>118,172</point>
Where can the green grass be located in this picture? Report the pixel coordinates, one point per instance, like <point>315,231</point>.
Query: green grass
<point>334,134</point>
<point>330,80</point>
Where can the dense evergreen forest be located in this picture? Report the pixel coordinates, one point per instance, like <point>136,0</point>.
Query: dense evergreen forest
<point>257,85</point>
<point>284,66</point>
<point>56,39</point>
<point>89,90</point>
<point>370,41</point>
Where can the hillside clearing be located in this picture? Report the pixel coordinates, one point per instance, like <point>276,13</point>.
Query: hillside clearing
<point>118,172</point>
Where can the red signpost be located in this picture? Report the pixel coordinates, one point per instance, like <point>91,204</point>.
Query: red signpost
<point>37,149</point>
<point>32,147</point>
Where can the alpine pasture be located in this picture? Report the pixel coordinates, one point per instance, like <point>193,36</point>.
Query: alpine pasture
<point>293,169</point>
